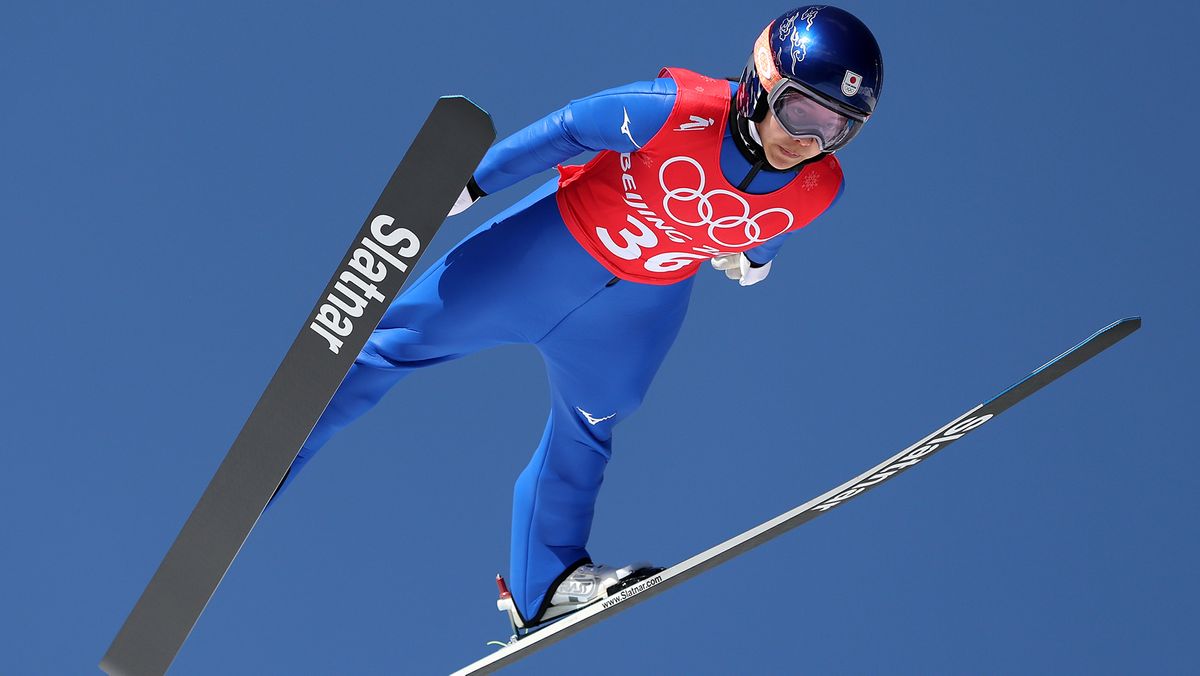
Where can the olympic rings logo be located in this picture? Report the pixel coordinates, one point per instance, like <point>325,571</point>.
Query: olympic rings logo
<point>734,230</point>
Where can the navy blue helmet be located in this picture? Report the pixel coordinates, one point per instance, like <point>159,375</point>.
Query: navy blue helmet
<point>817,54</point>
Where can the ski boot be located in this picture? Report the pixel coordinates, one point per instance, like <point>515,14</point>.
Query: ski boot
<point>586,585</point>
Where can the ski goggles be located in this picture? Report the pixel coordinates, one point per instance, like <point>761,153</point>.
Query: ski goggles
<point>804,113</point>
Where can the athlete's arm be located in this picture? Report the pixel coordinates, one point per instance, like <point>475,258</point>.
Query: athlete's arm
<point>765,253</point>
<point>621,119</point>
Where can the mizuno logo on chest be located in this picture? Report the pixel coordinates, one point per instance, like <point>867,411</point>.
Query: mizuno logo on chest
<point>625,128</point>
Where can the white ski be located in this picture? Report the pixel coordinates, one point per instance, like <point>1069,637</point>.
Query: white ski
<point>890,468</point>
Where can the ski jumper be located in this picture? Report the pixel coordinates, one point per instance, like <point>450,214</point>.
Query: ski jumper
<point>603,318</point>
<point>653,215</point>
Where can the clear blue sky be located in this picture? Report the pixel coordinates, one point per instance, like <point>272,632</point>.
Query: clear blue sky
<point>178,182</point>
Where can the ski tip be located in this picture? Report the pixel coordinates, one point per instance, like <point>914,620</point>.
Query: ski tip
<point>458,100</point>
<point>1124,326</point>
<point>468,114</point>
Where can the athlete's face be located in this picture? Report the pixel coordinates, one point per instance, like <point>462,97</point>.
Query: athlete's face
<point>782,150</point>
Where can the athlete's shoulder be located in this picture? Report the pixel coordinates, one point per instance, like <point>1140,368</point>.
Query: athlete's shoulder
<point>621,118</point>
<point>698,90</point>
<point>658,87</point>
<point>835,168</point>
<point>833,163</point>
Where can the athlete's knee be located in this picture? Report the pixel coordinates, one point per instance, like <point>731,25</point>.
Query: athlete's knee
<point>390,348</point>
<point>602,413</point>
<point>403,348</point>
<point>579,464</point>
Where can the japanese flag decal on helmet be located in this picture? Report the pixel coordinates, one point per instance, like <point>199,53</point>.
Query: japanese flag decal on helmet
<point>850,83</point>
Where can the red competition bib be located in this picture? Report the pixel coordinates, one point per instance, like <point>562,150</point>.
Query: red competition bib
<point>652,215</point>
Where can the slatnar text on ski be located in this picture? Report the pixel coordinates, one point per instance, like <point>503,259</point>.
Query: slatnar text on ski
<point>352,292</point>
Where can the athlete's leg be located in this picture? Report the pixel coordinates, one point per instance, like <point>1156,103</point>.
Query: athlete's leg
<point>484,292</point>
<point>600,361</point>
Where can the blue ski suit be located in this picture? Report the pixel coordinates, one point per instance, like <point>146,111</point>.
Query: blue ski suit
<point>522,278</point>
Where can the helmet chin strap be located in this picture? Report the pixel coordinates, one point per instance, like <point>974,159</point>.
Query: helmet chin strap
<point>748,142</point>
<point>753,127</point>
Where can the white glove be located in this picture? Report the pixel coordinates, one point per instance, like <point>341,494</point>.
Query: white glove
<point>737,266</point>
<point>462,203</point>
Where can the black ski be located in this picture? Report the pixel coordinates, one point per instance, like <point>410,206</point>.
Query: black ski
<point>740,544</point>
<point>412,207</point>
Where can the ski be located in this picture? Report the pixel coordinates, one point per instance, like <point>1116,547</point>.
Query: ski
<point>952,431</point>
<point>415,201</point>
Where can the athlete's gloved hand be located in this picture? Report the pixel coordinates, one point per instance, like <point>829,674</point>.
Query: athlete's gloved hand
<point>737,266</point>
<point>469,196</point>
<point>464,201</point>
